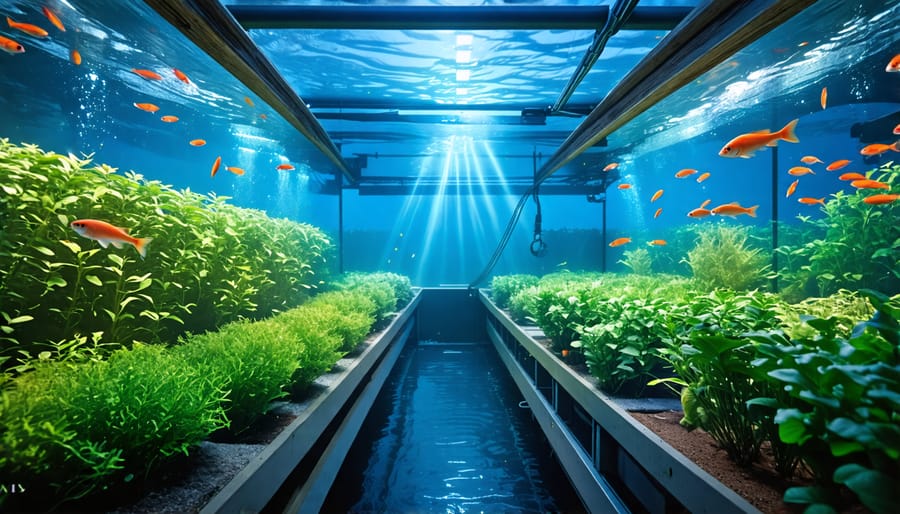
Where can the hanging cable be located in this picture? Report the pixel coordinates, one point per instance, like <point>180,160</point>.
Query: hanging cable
<point>538,247</point>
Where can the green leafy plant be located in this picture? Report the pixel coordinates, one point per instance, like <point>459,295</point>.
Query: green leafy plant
<point>722,258</point>
<point>504,287</point>
<point>638,261</point>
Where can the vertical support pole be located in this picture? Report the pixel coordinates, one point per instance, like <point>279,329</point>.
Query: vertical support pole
<point>603,236</point>
<point>775,195</point>
<point>340,182</point>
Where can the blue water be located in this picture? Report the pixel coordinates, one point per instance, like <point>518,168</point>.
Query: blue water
<point>447,434</point>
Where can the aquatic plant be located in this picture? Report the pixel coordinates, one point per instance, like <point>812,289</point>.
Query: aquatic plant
<point>399,284</point>
<point>522,305</point>
<point>845,307</point>
<point>722,258</point>
<point>638,261</point>
<point>349,315</point>
<point>504,287</point>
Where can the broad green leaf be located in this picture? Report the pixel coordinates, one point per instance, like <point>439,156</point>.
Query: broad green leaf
<point>118,261</point>
<point>20,319</point>
<point>875,490</point>
<point>93,280</point>
<point>71,245</point>
<point>808,494</point>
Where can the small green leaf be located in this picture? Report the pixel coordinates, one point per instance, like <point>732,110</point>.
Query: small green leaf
<point>94,280</point>
<point>20,319</point>
<point>44,250</point>
<point>115,259</point>
<point>71,246</point>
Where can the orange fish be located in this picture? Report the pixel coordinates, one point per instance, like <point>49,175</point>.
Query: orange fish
<point>658,212</point>
<point>803,43</point>
<point>869,184</point>
<point>811,201</point>
<point>705,203</point>
<point>799,171</point>
<point>263,117</point>
<point>703,177</point>
<point>746,145</point>
<point>836,165</point>
<point>104,233</point>
<point>810,159</point>
<point>31,30</point>
<point>624,186</point>
<point>53,18</point>
<point>791,188</point>
<point>11,47</point>
<point>249,101</point>
<point>169,118</point>
<point>699,212</point>
<point>878,149</point>
<point>880,199</point>
<point>234,169</point>
<point>215,166</point>
<point>620,241</point>
<point>286,167</point>
<point>147,74</point>
<point>611,166</point>
<point>656,196</point>
<point>734,209</point>
<point>657,242</point>
<point>894,64</point>
<point>180,75</point>
<point>147,107</point>
<point>852,176</point>
<point>75,55</point>
<point>823,98</point>
<point>197,142</point>
<point>897,129</point>
<point>685,172</point>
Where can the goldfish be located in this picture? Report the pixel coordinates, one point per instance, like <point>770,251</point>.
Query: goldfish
<point>147,74</point>
<point>234,169</point>
<point>263,117</point>
<point>286,167</point>
<point>811,201</point>
<point>810,159</point>
<point>11,47</point>
<point>734,209</point>
<point>657,242</point>
<point>852,176</point>
<point>147,107</point>
<point>705,203</point>
<point>799,171</point>
<point>685,172</point>
<point>215,166</point>
<point>624,186</point>
<point>249,101</point>
<point>699,212</point>
<point>31,30</point>
<point>53,18</point>
<point>105,233</point>
<point>897,129</point>
<point>869,184</point>
<point>894,64</point>
<point>746,145</point>
<point>620,241</point>
<point>611,166</point>
<point>703,177</point>
<point>880,199</point>
<point>75,55</point>
<point>878,149</point>
<point>791,188</point>
<point>169,118</point>
<point>180,75</point>
<point>658,212</point>
<point>197,142</point>
<point>656,196</point>
<point>838,164</point>
<point>823,97</point>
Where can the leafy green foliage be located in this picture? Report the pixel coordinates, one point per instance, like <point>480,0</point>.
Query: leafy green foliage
<point>504,287</point>
<point>388,291</point>
<point>209,262</point>
<point>722,258</point>
<point>638,261</point>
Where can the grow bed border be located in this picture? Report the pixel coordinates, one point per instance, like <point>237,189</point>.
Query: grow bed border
<point>620,458</point>
<point>255,485</point>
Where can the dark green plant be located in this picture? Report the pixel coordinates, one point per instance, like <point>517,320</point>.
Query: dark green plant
<point>504,287</point>
<point>638,261</point>
<point>723,258</point>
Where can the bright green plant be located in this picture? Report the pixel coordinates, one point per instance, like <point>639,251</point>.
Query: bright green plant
<point>722,258</point>
<point>845,307</point>
<point>399,284</point>
<point>638,261</point>
<point>504,287</point>
<point>521,305</point>
<point>348,315</point>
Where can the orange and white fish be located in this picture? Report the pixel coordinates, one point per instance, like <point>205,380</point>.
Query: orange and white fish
<point>215,166</point>
<point>685,172</point>
<point>181,76</point>
<point>285,167</point>
<point>147,74</point>
<point>791,188</point>
<point>624,186</point>
<point>878,148</point>
<point>836,165</point>
<point>168,118</point>
<point>699,212</point>
<point>823,98</point>
<point>658,212</point>
<point>656,196</point>
<point>75,55</point>
<point>799,171</point>
<point>897,130</point>
<point>893,65</point>
<point>852,176</point>
<point>810,159</point>
<point>869,184</point>
<point>234,169</point>
<point>147,107</point>
<point>611,166</point>
<point>11,47</point>
<point>620,241</point>
<point>734,209</point>
<point>703,177</point>
<point>657,242</point>
<point>197,142</point>
<point>811,201</point>
<point>31,30</point>
<point>106,234</point>
<point>880,199</point>
<point>53,19</point>
<point>746,145</point>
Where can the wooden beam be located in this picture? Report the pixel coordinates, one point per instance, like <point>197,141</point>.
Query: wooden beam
<point>714,31</point>
<point>212,28</point>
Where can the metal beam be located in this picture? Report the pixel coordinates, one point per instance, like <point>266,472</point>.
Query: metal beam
<point>482,17</point>
<point>212,28</point>
<point>714,31</point>
<point>475,190</point>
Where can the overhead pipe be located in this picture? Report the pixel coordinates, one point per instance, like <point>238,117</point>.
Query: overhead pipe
<point>620,14</point>
<point>481,17</point>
